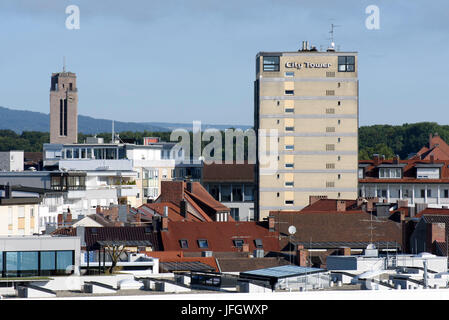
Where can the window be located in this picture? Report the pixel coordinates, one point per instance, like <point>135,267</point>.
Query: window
<point>330,74</point>
<point>360,173</point>
<point>238,243</point>
<point>237,193</point>
<point>31,212</point>
<point>346,63</point>
<point>389,172</point>
<point>226,193</point>
<point>289,74</point>
<point>339,176</point>
<point>289,183</point>
<point>270,63</point>
<point>446,193</point>
<point>21,212</point>
<point>214,191</point>
<point>289,201</point>
<point>258,243</point>
<point>202,243</point>
<point>330,92</point>
<point>289,165</point>
<point>289,92</point>
<point>382,193</point>
<point>289,110</point>
<point>64,259</point>
<point>330,165</point>
<point>330,147</point>
<point>406,193</point>
<point>249,192</point>
<point>429,193</point>
<point>330,184</point>
<point>235,214</point>
<point>289,147</point>
<point>184,243</point>
<point>330,111</point>
<point>330,129</point>
<point>289,128</point>
<point>423,193</point>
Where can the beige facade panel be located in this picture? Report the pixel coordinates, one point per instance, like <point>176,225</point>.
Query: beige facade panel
<point>308,180</point>
<point>316,108</point>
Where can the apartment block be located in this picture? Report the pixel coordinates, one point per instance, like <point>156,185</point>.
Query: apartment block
<point>311,98</point>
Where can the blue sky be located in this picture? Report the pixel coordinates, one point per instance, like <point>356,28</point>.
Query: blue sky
<point>179,61</point>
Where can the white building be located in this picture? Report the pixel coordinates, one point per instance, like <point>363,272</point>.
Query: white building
<point>11,161</point>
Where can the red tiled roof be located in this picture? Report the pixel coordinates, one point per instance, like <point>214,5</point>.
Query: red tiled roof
<point>330,205</point>
<point>409,172</point>
<point>177,256</point>
<point>220,236</point>
<point>65,231</point>
<point>435,211</point>
<point>331,227</point>
<point>174,211</point>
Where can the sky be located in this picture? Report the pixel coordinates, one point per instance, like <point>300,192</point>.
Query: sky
<point>186,60</point>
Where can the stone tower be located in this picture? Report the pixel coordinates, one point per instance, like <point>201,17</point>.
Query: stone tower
<point>63,108</point>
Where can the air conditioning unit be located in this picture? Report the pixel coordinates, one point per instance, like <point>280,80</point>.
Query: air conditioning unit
<point>207,254</point>
<point>259,253</point>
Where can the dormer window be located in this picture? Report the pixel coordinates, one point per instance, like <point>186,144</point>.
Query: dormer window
<point>427,171</point>
<point>390,173</point>
<point>202,243</point>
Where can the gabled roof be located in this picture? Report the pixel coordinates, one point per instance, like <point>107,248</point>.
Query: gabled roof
<point>219,235</point>
<point>95,236</point>
<point>409,171</point>
<point>174,211</point>
<point>435,211</point>
<point>330,205</point>
<point>331,227</point>
<point>437,148</point>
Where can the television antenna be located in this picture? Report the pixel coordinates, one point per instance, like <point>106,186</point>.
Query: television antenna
<point>331,32</point>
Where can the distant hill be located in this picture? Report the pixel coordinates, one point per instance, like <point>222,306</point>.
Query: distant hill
<point>20,120</point>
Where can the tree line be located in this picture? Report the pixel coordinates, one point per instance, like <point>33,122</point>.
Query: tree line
<point>388,140</point>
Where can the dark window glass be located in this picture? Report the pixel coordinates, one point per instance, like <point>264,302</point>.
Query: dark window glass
<point>47,262</point>
<point>225,193</point>
<point>237,194</point>
<point>289,92</point>
<point>215,191</point>
<point>64,259</point>
<point>202,243</point>
<point>238,243</point>
<point>258,243</point>
<point>346,63</point>
<point>184,243</point>
<point>446,193</point>
<point>423,192</point>
<point>270,63</point>
<point>235,214</point>
<point>249,192</point>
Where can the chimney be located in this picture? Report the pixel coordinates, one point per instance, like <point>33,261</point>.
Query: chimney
<point>138,218</point>
<point>301,256</point>
<point>313,199</point>
<point>396,159</point>
<point>345,251</point>
<point>183,208</point>
<point>359,201</point>
<point>98,209</point>
<point>402,203</point>
<point>435,232</point>
<point>341,205</point>
<point>60,220</point>
<point>164,224</point>
<point>189,186</point>
<point>245,247</point>
<point>432,158</point>
<point>430,140</point>
<point>271,223</point>
<point>68,218</point>
<point>376,159</point>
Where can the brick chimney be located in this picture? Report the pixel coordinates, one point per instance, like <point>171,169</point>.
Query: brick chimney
<point>271,223</point>
<point>164,223</point>
<point>396,159</point>
<point>313,199</point>
<point>245,247</point>
<point>435,232</point>
<point>68,219</point>
<point>302,256</point>
<point>430,140</point>
<point>376,159</point>
<point>60,220</point>
<point>359,201</point>
<point>341,205</point>
<point>432,158</point>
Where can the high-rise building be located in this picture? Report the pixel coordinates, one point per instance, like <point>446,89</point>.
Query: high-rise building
<point>63,108</point>
<point>311,98</point>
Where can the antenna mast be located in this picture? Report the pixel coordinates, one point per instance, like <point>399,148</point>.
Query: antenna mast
<point>63,65</point>
<point>331,32</point>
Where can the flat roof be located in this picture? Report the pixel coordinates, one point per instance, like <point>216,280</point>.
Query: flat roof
<point>280,272</point>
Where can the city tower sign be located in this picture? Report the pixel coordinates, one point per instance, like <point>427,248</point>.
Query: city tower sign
<point>307,65</point>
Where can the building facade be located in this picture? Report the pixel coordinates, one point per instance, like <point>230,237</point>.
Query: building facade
<point>11,161</point>
<point>311,98</point>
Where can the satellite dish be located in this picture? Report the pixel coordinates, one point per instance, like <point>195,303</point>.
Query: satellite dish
<point>292,229</point>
